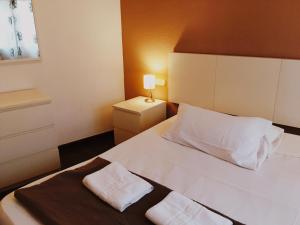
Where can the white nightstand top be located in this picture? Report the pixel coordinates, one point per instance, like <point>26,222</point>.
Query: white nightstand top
<point>22,99</point>
<point>137,105</point>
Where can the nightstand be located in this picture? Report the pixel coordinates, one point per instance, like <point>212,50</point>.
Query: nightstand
<point>135,115</point>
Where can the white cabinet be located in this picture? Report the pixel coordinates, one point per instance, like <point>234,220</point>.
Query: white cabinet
<point>28,142</point>
<point>135,115</point>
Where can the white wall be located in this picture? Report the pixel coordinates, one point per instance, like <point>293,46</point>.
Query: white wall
<point>81,64</point>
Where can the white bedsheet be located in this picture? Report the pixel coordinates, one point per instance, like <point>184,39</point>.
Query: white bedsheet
<point>269,196</point>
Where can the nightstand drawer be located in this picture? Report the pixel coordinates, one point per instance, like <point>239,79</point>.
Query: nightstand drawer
<point>126,121</point>
<point>122,135</point>
<point>18,121</point>
<point>152,117</point>
<point>135,115</point>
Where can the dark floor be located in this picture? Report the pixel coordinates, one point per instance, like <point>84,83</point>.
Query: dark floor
<point>79,151</point>
<point>74,153</point>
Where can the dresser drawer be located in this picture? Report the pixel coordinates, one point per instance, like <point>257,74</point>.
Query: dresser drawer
<point>127,121</point>
<point>14,147</point>
<point>27,167</point>
<point>18,121</point>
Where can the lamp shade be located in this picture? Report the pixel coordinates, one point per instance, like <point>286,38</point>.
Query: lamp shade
<point>149,81</point>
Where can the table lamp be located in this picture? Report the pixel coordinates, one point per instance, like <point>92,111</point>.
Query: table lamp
<point>149,84</point>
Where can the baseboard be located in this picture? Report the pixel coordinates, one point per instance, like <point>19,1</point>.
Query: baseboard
<point>102,135</point>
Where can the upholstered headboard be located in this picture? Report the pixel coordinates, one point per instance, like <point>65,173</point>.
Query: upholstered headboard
<point>246,86</point>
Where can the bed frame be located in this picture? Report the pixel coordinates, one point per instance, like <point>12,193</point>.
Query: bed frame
<point>244,86</point>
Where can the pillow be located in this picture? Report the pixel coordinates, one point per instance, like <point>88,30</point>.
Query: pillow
<point>239,140</point>
<point>274,137</point>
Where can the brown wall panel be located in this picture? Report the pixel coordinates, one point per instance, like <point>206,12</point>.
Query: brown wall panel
<point>154,28</point>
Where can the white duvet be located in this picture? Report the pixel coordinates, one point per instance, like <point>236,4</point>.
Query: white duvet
<point>269,196</point>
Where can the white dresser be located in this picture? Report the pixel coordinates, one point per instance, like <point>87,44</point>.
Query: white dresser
<point>28,142</point>
<point>135,115</point>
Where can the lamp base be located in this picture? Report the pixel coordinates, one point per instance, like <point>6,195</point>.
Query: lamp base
<point>149,100</point>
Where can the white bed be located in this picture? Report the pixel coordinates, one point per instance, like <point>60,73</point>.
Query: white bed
<point>238,85</point>
<point>269,196</point>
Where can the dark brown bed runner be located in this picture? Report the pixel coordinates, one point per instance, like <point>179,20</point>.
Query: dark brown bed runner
<point>64,200</point>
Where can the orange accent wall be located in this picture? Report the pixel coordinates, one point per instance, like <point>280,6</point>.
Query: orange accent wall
<point>154,28</point>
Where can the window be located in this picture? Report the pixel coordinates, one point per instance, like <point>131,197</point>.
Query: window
<point>18,38</point>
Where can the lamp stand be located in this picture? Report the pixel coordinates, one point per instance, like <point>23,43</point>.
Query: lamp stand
<point>150,99</point>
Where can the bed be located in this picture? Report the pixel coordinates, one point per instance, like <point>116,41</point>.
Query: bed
<point>269,196</point>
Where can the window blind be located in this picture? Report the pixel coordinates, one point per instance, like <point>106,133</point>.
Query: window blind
<point>17,30</point>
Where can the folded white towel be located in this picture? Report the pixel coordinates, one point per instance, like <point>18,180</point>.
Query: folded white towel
<point>118,187</point>
<point>176,209</point>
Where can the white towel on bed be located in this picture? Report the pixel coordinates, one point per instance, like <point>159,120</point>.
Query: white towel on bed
<point>176,209</point>
<point>118,187</point>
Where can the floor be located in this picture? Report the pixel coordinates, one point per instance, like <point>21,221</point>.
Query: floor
<point>79,151</point>
<point>74,153</point>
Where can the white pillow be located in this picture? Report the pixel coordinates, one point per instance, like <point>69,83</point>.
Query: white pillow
<point>274,136</point>
<point>239,140</point>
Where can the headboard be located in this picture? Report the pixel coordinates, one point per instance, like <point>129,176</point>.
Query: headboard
<point>245,86</point>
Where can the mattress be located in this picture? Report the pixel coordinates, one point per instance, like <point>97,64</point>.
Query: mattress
<point>269,196</point>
